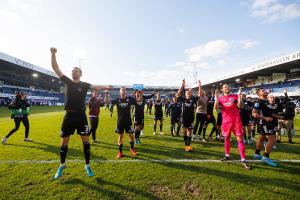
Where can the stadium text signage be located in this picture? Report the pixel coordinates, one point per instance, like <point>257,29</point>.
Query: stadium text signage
<point>270,63</point>
<point>278,61</point>
<point>23,63</point>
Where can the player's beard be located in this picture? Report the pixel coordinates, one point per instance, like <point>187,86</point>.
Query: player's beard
<point>226,92</point>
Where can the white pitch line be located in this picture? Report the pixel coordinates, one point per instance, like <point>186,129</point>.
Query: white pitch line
<point>135,161</point>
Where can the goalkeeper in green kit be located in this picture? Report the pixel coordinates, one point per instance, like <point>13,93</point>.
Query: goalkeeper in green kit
<point>19,112</point>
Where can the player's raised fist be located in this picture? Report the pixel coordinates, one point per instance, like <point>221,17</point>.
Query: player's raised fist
<point>240,91</point>
<point>53,50</point>
<point>199,83</point>
<point>216,93</point>
<point>183,82</point>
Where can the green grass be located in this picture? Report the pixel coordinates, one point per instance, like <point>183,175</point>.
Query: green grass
<point>138,180</point>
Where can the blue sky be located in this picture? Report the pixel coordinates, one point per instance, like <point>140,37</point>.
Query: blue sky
<point>154,42</point>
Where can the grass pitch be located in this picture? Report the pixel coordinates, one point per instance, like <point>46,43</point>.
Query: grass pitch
<point>30,175</point>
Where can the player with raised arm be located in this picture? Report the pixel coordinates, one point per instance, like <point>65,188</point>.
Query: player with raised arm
<point>75,117</point>
<point>210,119</point>
<point>287,116</point>
<point>124,122</point>
<point>264,113</point>
<point>139,113</point>
<point>189,102</point>
<point>246,117</point>
<point>201,116</point>
<point>231,121</point>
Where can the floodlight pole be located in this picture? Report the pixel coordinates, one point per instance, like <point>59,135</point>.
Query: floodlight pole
<point>194,71</point>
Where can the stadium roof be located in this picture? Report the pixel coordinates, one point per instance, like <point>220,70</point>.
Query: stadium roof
<point>282,64</point>
<point>25,64</point>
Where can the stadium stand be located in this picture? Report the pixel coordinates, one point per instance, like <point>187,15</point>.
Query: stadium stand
<point>41,86</point>
<point>274,75</point>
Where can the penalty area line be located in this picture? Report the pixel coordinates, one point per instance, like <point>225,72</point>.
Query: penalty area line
<point>136,161</point>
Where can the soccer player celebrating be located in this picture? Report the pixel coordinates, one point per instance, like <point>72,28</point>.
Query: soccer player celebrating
<point>201,115</point>
<point>158,114</point>
<point>210,119</point>
<point>150,105</point>
<point>219,123</point>
<point>174,110</point>
<point>19,112</point>
<point>231,122</point>
<point>246,117</point>
<point>189,103</point>
<point>124,122</point>
<point>75,117</point>
<point>287,116</point>
<point>166,105</point>
<point>264,113</point>
<point>139,114</point>
<point>94,110</point>
<point>276,108</point>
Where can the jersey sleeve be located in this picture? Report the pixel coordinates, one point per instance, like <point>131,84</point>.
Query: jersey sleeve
<point>114,102</point>
<point>66,80</point>
<point>236,98</point>
<point>196,98</point>
<point>181,99</point>
<point>132,100</point>
<point>102,103</point>
<point>87,86</point>
<point>220,102</point>
<point>27,104</point>
<point>169,108</point>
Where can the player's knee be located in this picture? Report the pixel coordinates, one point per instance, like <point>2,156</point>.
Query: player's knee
<point>239,139</point>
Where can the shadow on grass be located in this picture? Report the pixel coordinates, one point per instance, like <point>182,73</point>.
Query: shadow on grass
<point>287,148</point>
<point>98,188</point>
<point>179,153</point>
<point>73,153</point>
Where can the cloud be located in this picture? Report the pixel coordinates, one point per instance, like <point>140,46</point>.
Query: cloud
<point>12,10</point>
<point>207,57</point>
<point>181,30</point>
<point>262,3</point>
<point>247,44</point>
<point>160,77</point>
<point>80,53</point>
<point>270,11</point>
<point>8,16</point>
<point>214,49</point>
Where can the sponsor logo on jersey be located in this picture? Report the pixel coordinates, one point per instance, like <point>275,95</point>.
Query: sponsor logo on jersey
<point>123,105</point>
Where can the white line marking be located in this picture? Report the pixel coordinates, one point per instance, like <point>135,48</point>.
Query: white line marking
<point>135,161</point>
